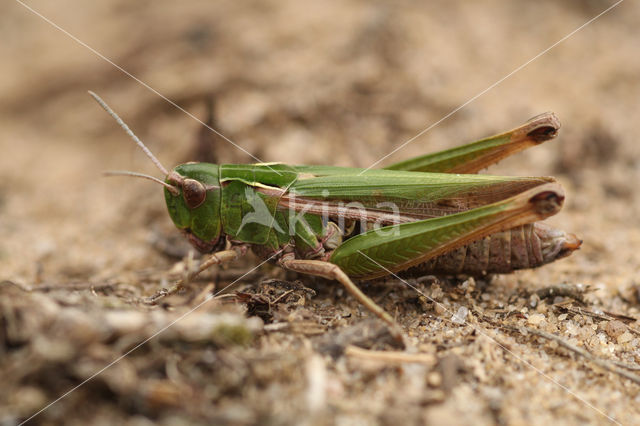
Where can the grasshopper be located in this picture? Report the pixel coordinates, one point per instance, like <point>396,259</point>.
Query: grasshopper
<point>430,214</point>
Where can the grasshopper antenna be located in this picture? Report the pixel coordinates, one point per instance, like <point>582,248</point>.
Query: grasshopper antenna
<point>126,128</point>
<point>172,189</point>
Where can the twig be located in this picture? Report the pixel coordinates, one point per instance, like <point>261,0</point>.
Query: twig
<point>607,365</point>
<point>563,290</point>
<point>57,287</point>
<point>622,317</point>
<point>582,311</point>
<point>277,326</point>
<point>627,366</point>
<point>283,295</point>
<point>605,316</point>
<point>389,356</point>
<point>21,286</point>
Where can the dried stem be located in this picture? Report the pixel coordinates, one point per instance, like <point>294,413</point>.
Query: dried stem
<point>603,363</point>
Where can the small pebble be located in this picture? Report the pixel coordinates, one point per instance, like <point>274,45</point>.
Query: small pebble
<point>535,319</point>
<point>460,316</point>
<point>615,328</point>
<point>625,337</point>
<point>434,379</point>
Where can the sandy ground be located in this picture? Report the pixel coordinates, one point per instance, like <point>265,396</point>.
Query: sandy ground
<point>333,82</point>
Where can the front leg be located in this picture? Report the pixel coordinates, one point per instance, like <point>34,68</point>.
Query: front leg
<point>217,258</point>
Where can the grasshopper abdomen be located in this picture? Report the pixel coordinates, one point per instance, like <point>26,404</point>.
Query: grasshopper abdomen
<point>523,247</point>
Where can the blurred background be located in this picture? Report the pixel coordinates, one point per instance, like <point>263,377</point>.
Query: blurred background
<point>333,82</point>
<point>341,84</point>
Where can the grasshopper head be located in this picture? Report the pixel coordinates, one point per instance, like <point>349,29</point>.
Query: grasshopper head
<point>194,203</point>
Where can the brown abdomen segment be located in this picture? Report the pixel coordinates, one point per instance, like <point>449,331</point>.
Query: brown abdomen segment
<point>527,246</point>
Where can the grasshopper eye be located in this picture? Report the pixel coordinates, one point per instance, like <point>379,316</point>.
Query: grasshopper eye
<point>194,193</point>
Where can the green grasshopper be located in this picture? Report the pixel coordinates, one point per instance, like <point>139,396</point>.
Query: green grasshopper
<point>430,214</point>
